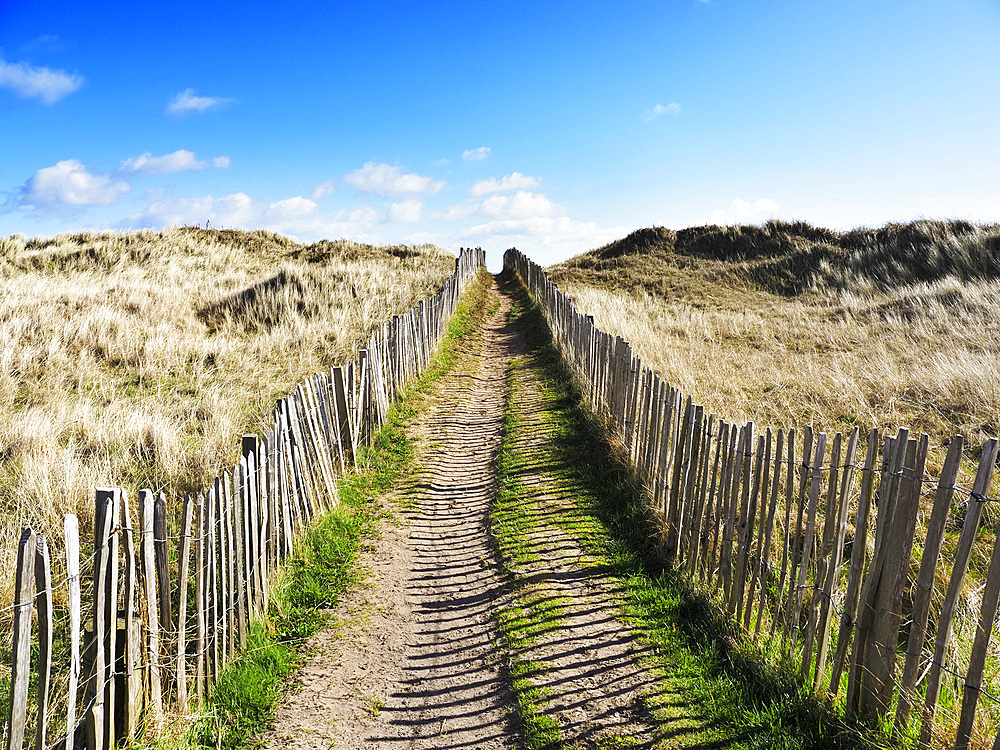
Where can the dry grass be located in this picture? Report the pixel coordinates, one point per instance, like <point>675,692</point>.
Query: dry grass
<point>790,325</point>
<point>137,360</point>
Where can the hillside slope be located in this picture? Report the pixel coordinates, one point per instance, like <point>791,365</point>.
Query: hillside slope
<point>138,359</point>
<point>790,324</point>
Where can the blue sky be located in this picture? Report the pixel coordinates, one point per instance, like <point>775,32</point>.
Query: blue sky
<point>550,126</point>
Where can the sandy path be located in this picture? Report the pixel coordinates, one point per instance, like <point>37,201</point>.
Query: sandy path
<point>414,663</point>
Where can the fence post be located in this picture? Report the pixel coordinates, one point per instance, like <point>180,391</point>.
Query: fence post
<point>100,684</point>
<point>182,583</point>
<point>71,530</point>
<point>162,571</point>
<point>43,606</point>
<point>132,705</point>
<point>20,668</point>
<point>146,503</point>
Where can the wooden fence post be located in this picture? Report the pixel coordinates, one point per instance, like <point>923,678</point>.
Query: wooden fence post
<point>162,570</point>
<point>132,704</point>
<point>71,530</point>
<point>43,607</point>
<point>200,596</point>
<point>146,503</point>
<point>100,683</point>
<point>184,560</point>
<point>20,669</point>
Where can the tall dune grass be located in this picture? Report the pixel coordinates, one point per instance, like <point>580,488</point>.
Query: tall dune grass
<point>138,359</point>
<point>788,325</point>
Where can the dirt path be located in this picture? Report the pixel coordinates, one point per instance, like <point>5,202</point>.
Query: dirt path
<point>414,660</point>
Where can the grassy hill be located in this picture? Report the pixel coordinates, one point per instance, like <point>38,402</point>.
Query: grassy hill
<point>790,324</point>
<point>138,359</point>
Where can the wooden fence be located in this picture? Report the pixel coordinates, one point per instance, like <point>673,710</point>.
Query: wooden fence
<point>811,544</point>
<point>160,632</point>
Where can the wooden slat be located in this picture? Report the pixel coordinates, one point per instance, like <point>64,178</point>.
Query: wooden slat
<point>110,644</point>
<point>863,619</point>
<point>165,608</point>
<point>221,588</point>
<point>876,694</point>
<point>104,517</point>
<point>801,581</point>
<point>133,656</point>
<point>711,504</point>
<point>43,608</point>
<point>183,573</point>
<point>264,519</point>
<point>201,670</point>
<point>755,556</point>
<point>71,530</point>
<point>20,668</point>
<point>858,549</point>
<point>830,584</point>
<point>692,475</point>
<point>798,541</point>
<point>823,554</point>
<point>697,527</point>
<point>211,590</point>
<point>732,509</point>
<point>777,621</point>
<point>241,543</point>
<point>763,572</point>
<point>146,510</point>
<point>760,458</point>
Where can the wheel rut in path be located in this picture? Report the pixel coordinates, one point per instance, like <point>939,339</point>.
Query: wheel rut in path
<point>415,659</point>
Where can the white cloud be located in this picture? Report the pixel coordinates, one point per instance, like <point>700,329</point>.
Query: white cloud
<point>221,162</point>
<point>385,179</point>
<point>187,102</point>
<point>520,205</point>
<point>291,208</point>
<point>68,183</point>
<point>295,217</point>
<point>322,190</point>
<point>236,210</point>
<point>476,154</point>
<point>48,85</point>
<point>651,114</point>
<point>405,211</point>
<point>544,230</point>
<point>457,211</point>
<point>513,181</point>
<point>179,161</point>
<point>742,212</point>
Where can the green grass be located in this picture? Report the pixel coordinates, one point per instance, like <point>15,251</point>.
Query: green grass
<point>737,700</point>
<point>324,564</point>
